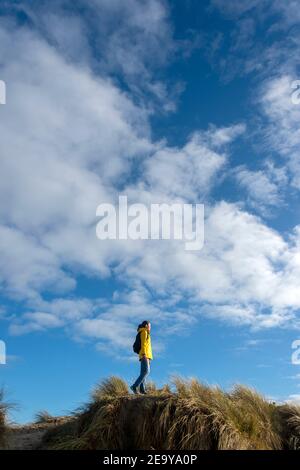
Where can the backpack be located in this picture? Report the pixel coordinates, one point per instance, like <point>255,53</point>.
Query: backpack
<point>137,345</point>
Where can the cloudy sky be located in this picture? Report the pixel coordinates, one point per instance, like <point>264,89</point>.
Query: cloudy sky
<point>162,102</point>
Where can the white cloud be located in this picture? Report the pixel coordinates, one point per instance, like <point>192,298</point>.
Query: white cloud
<point>293,399</point>
<point>282,131</point>
<point>235,7</point>
<point>265,187</point>
<point>262,40</point>
<point>35,321</point>
<point>59,312</point>
<point>185,172</point>
<point>218,137</point>
<point>273,56</point>
<point>26,266</point>
<point>287,9</point>
<point>189,172</point>
<point>66,138</point>
<point>125,39</point>
<point>246,273</point>
<point>69,140</point>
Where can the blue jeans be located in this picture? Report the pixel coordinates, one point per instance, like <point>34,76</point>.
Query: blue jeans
<point>145,371</point>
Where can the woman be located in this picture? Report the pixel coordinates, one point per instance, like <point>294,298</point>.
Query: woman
<point>145,356</point>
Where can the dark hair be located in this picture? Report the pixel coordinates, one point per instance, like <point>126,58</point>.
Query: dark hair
<point>143,324</point>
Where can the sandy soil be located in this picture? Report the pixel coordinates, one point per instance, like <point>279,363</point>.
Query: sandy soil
<point>29,436</point>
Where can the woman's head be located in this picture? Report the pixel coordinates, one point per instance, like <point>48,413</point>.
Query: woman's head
<point>145,324</point>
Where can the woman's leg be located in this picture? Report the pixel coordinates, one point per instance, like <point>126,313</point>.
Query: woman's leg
<point>143,373</point>
<point>147,372</point>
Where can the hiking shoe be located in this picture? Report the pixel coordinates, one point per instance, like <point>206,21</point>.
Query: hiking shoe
<point>134,389</point>
<point>143,393</point>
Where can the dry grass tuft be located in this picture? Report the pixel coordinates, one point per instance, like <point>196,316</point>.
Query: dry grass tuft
<point>112,387</point>
<point>288,419</point>
<point>43,417</point>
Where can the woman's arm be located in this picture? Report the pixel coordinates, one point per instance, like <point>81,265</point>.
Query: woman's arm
<point>143,342</point>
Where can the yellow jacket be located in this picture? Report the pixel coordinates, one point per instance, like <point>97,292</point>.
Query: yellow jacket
<point>146,348</point>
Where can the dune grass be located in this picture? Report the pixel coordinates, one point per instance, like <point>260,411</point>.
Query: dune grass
<point>186,415</point>
<point>288,421</point>
<point>43,417</point>
<point>112,387</point>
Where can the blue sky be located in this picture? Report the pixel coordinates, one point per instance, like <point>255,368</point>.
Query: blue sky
<point>161,101</point>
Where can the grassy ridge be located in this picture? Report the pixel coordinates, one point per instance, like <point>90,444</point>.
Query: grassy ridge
<point>188,416</point>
